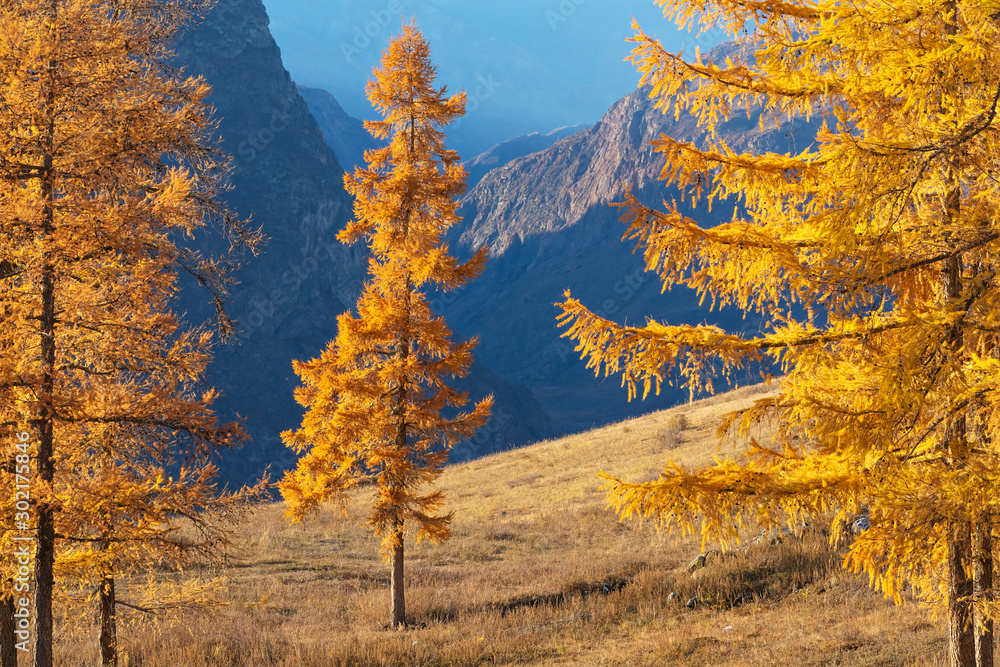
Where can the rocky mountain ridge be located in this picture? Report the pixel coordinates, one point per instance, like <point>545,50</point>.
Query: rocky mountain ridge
<point>546,216</point>
<point>509,150</point>
<point>286,303</point>
<point>550,224</point>
<point>342,132</point>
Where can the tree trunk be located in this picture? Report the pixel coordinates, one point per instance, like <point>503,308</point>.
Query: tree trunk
<point>45,543</point>
<point>8,654</point>
<point>961,587</point>
<point>109,634</point>
<point>961,639</point>
<point>984,590</point>
<point>44,580</point>
<point>45,539</point>
<point>398,601</point>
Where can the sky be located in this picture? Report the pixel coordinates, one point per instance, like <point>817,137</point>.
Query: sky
<point>526,65</point>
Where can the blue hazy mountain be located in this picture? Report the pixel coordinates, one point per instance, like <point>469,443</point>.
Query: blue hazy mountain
<point>344,133</point>
<point>550,223</point>
<point>526,144</point>
<point>290,183</point>
<point>526,65</point>
<point>546,216</point>
<point>349,139</point>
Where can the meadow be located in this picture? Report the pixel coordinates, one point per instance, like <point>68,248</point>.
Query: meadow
<point>539,572</point>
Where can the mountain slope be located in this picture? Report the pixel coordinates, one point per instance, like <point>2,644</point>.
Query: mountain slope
<point>343,133</point>
<point>539,572</point>
<point>550,225</point>
<point>290,182</point>
<point>514,148</point>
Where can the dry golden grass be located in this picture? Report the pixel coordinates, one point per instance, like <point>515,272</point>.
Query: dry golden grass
<point>538,572</point>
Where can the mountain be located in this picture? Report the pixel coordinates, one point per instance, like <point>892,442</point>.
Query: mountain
<point>512,149</point>
<point>550,225</point>
<point>343,133</point>
<point>291,184</point>
<point>546,217</point>
<point>527,66</point>
<point>349,139</point>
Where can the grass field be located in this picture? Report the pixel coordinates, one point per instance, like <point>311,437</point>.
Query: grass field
<point>538,572</point>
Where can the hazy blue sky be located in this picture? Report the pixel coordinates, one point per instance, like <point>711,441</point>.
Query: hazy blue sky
<point>527,65</point>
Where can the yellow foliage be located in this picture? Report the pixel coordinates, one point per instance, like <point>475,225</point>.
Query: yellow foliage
<point>872,257</point>
<point>376,398</point>
<point>107,167</point>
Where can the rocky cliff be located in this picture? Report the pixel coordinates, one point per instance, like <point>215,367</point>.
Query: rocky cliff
<point>290,182</point>
<point>512,149</point>
<point>343,133</point>
<point>548,220</point>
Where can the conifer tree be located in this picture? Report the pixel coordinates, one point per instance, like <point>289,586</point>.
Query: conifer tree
<point>105,167</point>
<point>871,253</point>
<point>376,398</point>
<point>136,517</point>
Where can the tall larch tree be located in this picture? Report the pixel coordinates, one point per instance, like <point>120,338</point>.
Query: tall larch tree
<point>872,254</point>
<point>106,170</point>
<point>379,410</point>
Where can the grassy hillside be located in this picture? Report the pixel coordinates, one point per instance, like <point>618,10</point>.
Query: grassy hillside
<point>539,573</point>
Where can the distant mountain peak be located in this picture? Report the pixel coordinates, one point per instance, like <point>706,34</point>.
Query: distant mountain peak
<point>345,134</point>
<point>517,147</point>
<point>548,220</point>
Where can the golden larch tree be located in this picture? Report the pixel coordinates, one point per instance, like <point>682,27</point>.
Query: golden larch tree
<point>106,168</point>
<point>137,515</point>
<point>138,494</point>
<point>379,410</point>
<point>872,255</point>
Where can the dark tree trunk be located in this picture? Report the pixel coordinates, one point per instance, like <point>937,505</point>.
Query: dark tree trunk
<point>984,590</point>
<point>398,600</point>
<point>961,639</point>
<point>109,630</point>
<point>961,587</point>
<point>8,653</point>
<point>44,582</point>
<point>398,617</point>
<point>45,544</point>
